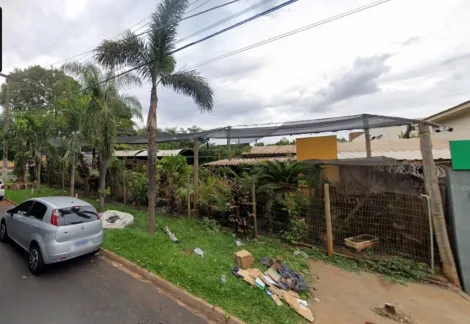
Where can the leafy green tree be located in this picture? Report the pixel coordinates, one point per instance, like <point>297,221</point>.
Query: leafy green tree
<point>99,124</point>
<point>153,59</point>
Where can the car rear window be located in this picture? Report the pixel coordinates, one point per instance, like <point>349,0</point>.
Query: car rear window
<point>77,215</point>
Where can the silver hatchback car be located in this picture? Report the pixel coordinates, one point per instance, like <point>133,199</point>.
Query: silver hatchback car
<point>53,229</point>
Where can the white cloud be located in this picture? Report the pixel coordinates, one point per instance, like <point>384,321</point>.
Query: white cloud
<point>425,43</point>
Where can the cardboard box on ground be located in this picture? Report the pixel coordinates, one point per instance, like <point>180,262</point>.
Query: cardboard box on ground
<point>271,282</point>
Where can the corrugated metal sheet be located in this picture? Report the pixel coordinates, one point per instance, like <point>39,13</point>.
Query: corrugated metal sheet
<point>126,153</point>
<point>251,161</point>
<point>161,153</point>
<point>271,150</point>
<point>143,153</point>
<point>398,145</point>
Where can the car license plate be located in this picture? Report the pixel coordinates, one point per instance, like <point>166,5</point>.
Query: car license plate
<point>82,242</point>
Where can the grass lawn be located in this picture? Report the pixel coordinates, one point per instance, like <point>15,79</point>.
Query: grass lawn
<point>177,263</point>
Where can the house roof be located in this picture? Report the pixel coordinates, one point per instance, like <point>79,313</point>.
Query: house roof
<point>143,153</point>
<point>400,150</point>
<point>460,108</point>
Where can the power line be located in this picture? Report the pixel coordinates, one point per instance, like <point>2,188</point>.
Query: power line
<point>295,31</point>
<point>128,29</point>
<point>202,4</point>
<point>220,22</point>
<point>195,15</point>
<point>282,5</point>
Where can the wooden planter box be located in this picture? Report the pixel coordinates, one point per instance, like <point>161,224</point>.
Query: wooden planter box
<point>361,242</point>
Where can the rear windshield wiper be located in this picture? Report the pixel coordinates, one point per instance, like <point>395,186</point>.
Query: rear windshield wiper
<point>74,223</point>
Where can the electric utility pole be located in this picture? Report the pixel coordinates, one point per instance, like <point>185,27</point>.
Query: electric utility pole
<point>6,121</point>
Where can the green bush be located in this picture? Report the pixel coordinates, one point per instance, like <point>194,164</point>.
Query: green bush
<point>139,189</point>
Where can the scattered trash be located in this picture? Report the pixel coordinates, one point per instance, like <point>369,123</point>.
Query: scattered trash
<point>235,272</point>
<point>243,259</point>
<point>259,283</point>
<point>170,234</point>
<point>239,243</point>
<point>279,282</point>
<point>301,253</point>
<point>276,277</point>
<point>223,280</point>
<point>269,281</point>
<point>113,219</point>
<point>267,262</point>
<point>289,279</point>
<point>302,302</point>
<point>276,300</point>
<point>24,277</point>
<point>199,252</point>
<point>317,300</point>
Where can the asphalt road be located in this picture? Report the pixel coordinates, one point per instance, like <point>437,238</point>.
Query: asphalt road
<point>86,290</point>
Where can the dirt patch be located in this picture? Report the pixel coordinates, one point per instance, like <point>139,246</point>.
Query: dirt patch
<point>347,297</point>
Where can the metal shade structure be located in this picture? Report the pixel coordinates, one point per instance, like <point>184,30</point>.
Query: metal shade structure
<point>333,124</point>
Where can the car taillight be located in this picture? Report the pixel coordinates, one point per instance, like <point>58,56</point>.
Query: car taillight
<point>2,187</point>
<point>55,217</point>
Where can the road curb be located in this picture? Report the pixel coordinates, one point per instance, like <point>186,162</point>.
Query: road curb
<point>198,304</point>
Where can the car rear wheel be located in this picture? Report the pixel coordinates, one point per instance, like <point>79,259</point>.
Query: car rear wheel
<point>36,263</point>
<point>3,232</point>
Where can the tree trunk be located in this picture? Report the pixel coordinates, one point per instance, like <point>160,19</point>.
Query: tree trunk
<point>102,185</point>
<point>38,171</point>
<point>63,181</point>
<point>437,211</point>
<point>93,159</point>
<point>151,157</point>
<point>86,186</point>
<point>72,177</point>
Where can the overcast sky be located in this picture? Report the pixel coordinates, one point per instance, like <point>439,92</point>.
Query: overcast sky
<point>406,58</point>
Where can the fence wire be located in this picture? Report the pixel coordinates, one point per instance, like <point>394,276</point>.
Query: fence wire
<point>365,224</point>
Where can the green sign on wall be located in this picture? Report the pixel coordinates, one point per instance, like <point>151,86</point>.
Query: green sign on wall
<point>460,154</point>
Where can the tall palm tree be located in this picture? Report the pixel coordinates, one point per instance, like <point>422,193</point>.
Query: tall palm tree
<point>100,115</point>
<point>153,61</point>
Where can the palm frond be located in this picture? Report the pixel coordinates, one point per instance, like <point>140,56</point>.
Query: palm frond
<point>133,105</point>
<point>130,50</point>
<point>163,28</point>
<point>191,83</point>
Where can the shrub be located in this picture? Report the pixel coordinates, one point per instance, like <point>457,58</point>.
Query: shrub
<point>139,189</point>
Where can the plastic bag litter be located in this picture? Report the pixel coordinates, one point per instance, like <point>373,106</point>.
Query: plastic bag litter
<point>199,252</point>
<point>239,243</point>
<point>223,280</point>
<point>170,234</point>
<point>112,219</point>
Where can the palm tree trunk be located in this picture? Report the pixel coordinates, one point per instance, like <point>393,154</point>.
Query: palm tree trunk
<point>72,177</point>
<point>151,156</point>
<point>102,185</point>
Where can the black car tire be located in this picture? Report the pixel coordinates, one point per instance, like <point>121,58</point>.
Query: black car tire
<point>36,263</point>
<point>3,232</point>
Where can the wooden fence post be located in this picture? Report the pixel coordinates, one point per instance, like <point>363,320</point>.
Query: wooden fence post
<point>329,229</point>
<point>188,180</point>
<point>253,203</point>
<point>125,187</point>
